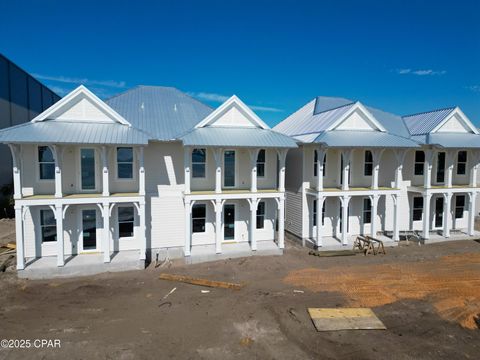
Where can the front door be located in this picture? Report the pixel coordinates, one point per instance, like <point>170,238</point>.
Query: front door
<point>89,230</point>
<point>229,168</point>
<point>229,222</point>
<point>87,169</point>
<point>438,212</point>
<point>441,168</point>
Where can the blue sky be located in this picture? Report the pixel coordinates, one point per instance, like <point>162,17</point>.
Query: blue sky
<point>399,56</point>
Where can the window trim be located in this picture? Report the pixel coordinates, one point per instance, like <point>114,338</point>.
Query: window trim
<point>415,162</point>
<point>369,163</point>
<point>199,218</point>
<point>37,157</point>
<point>204,163</point>
<point>42,226</point>
<point>117,178</point>
<point>465,163</point>
<point>457,196</point>
<point>118,221</point>
<point>261,215</point>
<point>366,210</point>
<point>417,208</point>
<point>264,162</point>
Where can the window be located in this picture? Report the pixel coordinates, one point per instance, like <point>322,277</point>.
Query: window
<point>419,160</point>
<point>324,164</point>
<point>459,206</point>
<point>46,163</point>
<point>314,213</point>
<point>87,164</point>
<point>417,208</point>
<point>199,158</point>
<point>261,215</point>
<point>199,217</point>
<point>368,165</point>
<point>48,226</point>
<point>125,221</point>
<point>261,163</point>
<point>315,163</point>
<point>125,163</point>
<point>367,211</point>
<point>462,162</point>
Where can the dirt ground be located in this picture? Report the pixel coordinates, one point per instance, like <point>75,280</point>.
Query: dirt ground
<point>426,296</point>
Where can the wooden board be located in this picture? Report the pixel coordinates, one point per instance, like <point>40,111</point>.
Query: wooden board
<point>326,319</point>
<point>201,282</point>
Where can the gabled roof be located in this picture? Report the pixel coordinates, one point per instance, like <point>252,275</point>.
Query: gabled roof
<point>163,112</point>
<point>450,140</point>
<point>425,122</point>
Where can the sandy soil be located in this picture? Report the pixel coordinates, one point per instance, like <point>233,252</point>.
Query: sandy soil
<point>125,315</point>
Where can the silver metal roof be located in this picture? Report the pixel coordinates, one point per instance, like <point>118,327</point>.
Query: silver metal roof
<point>163,112</point>
<point>238,137</point>
<point>449,140</point>
<point>73,132</point>
<point>423,123</point>
<point>346,138</point>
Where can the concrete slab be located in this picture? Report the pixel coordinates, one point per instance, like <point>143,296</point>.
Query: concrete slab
<point>460,235</point>
<point>332,243</point>
<point>80,265</point>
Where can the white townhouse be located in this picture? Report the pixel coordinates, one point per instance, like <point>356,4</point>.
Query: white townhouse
<point>150,169</point>
<point>374,169</point>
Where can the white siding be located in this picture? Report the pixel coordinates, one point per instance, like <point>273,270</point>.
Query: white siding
<point>293,212</point>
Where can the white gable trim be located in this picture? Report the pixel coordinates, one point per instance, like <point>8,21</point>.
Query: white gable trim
<point>233,101</point>
<point>466,121</point>
<point>71,97</point>
<point>358,106</point>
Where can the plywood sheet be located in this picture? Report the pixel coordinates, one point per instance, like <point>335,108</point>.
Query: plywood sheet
<point>326,319</point>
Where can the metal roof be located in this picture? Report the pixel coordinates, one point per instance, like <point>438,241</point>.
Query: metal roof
<point>238,137</point>
<point>73,132</point>
<point>347,138</point>
<point>423,123</point>
<point>449,140</point>
<point>164,112</point>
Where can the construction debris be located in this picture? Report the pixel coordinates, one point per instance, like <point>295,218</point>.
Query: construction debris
<point>11,245</point>
<point>369,245</point>
<point>201,282</point>
<point>171,292</point>
<point>345,319</point>
<point>298,291</point>
<point>4,264</point>
<point>205,291</point>
<point>332,253</point>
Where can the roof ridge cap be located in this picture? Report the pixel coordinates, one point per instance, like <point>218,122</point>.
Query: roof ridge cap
<point>429,111</point>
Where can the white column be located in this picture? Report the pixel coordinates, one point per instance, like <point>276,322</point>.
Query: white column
<point>346,168</point>
<point>373,224</point>
<point>282,155</point>
<point>105,173</point>
<point>345,201</point>
<point>187,160</point>
<point>17,183</point>
<point>60,244</point>
<point>188,227</point>
<point>376,155</point>
<point>426,216</point>
<point>320,155</point>
<point>19,237</point>
<point>218,226</point>
<point>141,171</point>
<point>217,154</point>
<point>253,223</point>
<point>106,232</point>
<point>320,200</point>
<point>471,213</point>
<point>281,223</point>
<point>427,169</point>
<point>253,169</point>
<point>450,160</point>
<point>447,201</point>
<point>396,219</point>
<point>57,153</point>
<point>143,235</point>
<point>400,156</point>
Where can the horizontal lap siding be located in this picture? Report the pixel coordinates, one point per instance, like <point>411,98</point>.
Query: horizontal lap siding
<point>166,221</point>
<point>293,205</point>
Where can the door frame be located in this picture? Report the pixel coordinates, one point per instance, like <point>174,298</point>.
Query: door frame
<point>234,223</point>
<point>98,233</point>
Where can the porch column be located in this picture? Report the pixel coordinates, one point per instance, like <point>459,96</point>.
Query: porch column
<point>143,235</point>
<point>16,158</point>
<point>57,153</point>
<point>346,154</point>
<point>426,216</point>
<point>217,154</point>
<point>471,213</point>
<point>427,169</point>
<point>373,225</point>
<point>320,155</point>
<point>320,200</point>
<point>218,226</point>
<point>474,168</point>
<point>400,156</point>
<point>450,160</point>
<point>282,155</point>
<point>188,227</point>
<point>281,222</point>
<point>376,155</point>
<point>253,223</point>
<point>447,201</point>
<point>187,160</point>
<point>345,201</point>
<point>396,220</point>
<point>141,171</point>
<point>106,232</point>
<point>105,173</point>
<point>19,237</point>
<point>253,169</point>
<point>60,244</point>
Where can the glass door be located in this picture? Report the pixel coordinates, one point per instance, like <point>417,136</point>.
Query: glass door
<point>89,230</point>
<point>87,169</point>
<point>229,222</point>
<point>229,168</point>
<point>439,212</point>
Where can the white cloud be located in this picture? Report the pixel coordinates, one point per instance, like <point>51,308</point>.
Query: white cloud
<point>219,98</point>
<point>474,88</point>
<point>420,72</point>
<point>84,81</point>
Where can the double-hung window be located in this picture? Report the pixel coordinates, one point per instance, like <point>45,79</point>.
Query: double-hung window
<point>125,163</point>
<point>417,208</point>
<point>261,215</point>
<point>462,162</point>
<point>459,206</point>
<point>46,163</point>
<point>261,163</point>
<point>199,217</point>
<point>367,211</point>
<point>126,219</point>
<point>419,162</point>
<point>48,226</point>
<point>368,165</point>
<point>199,160</point>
